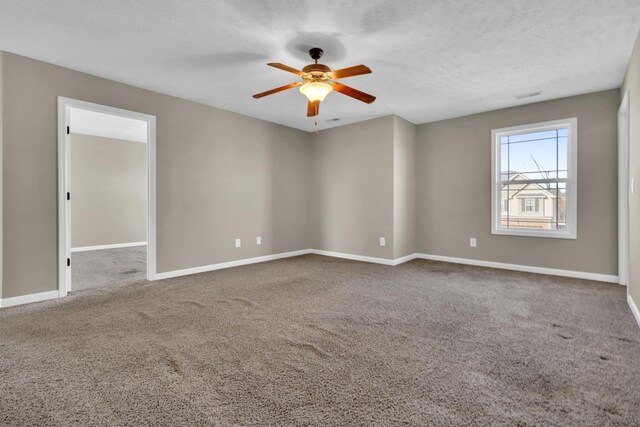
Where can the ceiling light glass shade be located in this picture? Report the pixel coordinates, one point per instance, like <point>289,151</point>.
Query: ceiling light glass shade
<point>316,91</point>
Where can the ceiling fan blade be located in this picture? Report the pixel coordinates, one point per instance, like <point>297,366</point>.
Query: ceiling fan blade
<point>356,70</point>
<point>354,93</point>
<point>286,68</point>
<point>278,89</point>
<point>313,108</point>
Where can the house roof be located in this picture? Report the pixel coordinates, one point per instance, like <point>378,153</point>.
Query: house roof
<point>521,186</point>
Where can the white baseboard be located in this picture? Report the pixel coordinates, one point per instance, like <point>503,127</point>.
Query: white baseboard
<point>237,263</point>
<point>404,259</point>
<point>25,299</point>
<point>112,246</point>
<point>221,265</point>
<point>634,308</point>
<point>363,258</point>
<point>525,268</point>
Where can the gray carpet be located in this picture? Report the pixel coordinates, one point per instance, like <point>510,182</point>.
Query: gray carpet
<point>105,267</point>
<point>321,341</point>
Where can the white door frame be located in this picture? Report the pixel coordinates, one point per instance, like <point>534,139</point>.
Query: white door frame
<point>623,191</point>
<point>64,217</point>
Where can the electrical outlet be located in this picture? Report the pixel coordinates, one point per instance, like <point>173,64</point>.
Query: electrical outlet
<point>472,242</point>
<point>258,240</point>
<point>238,243</point>
<point>383,242</point>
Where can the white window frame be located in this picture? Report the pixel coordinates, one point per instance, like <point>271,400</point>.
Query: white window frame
<point>571,207</point>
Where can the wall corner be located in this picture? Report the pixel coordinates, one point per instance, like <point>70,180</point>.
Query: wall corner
<point>1,169</point>
<point>404,188</point>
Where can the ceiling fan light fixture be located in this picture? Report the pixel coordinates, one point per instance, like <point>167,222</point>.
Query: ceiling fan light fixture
<point>316,91</point>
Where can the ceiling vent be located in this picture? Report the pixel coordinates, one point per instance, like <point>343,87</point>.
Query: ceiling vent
<point>529,95</point>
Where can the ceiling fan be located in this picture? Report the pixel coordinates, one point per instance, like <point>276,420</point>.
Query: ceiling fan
<point>318,81</point>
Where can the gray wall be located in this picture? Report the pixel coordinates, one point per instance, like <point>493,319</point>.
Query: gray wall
<point>454,187</point>
<point>404,188</point>
<point>220,176</point>
<point>632,84</point>
<point>1,169</point>
<point>109,191</point>
<point>364,188</point>
<point>352,203</point>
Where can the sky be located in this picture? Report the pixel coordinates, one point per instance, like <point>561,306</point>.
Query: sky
<point>520,153</point>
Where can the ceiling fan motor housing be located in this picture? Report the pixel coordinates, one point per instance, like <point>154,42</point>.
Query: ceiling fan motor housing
<point>317,71</point>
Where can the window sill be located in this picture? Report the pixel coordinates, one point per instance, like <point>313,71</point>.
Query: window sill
<point>536,233</point>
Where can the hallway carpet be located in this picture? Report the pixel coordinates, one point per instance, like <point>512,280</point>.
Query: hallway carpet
<point>314,340</point>
<point>106,267</point>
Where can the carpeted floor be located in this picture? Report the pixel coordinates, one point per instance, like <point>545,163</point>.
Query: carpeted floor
<point>106,267</point>
<point>321,341</point>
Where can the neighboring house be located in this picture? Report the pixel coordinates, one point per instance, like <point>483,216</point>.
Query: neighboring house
<point>531,205</point>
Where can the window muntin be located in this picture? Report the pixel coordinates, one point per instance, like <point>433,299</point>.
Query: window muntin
<point>533,180</point>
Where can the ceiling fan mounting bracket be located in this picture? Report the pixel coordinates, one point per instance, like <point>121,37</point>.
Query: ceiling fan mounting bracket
<point>315,53</point>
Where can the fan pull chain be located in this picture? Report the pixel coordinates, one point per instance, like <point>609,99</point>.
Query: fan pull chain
<point>315,122</point>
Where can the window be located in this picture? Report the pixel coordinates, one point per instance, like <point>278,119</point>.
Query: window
<point>530,205</point>
<point>534,180</point>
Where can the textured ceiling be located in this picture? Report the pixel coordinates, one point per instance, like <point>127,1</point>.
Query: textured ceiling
<point>430,59</point>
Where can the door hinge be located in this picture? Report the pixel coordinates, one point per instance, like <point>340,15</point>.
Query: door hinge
<point>68,196</point>
<point>68,130</point>
<point>68,262</point>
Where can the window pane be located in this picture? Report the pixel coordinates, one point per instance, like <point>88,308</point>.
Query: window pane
<point>505,204</point>
<point>562,205</point>
<point>532,135</point>
<point>519,176</point>
<point>530,206</point>
<point>504,158</point>
<point>562,154</point>
<point>533,156</point>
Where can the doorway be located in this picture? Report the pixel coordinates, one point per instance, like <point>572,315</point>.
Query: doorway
<point>106,186</point>
<point>623,191</point>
